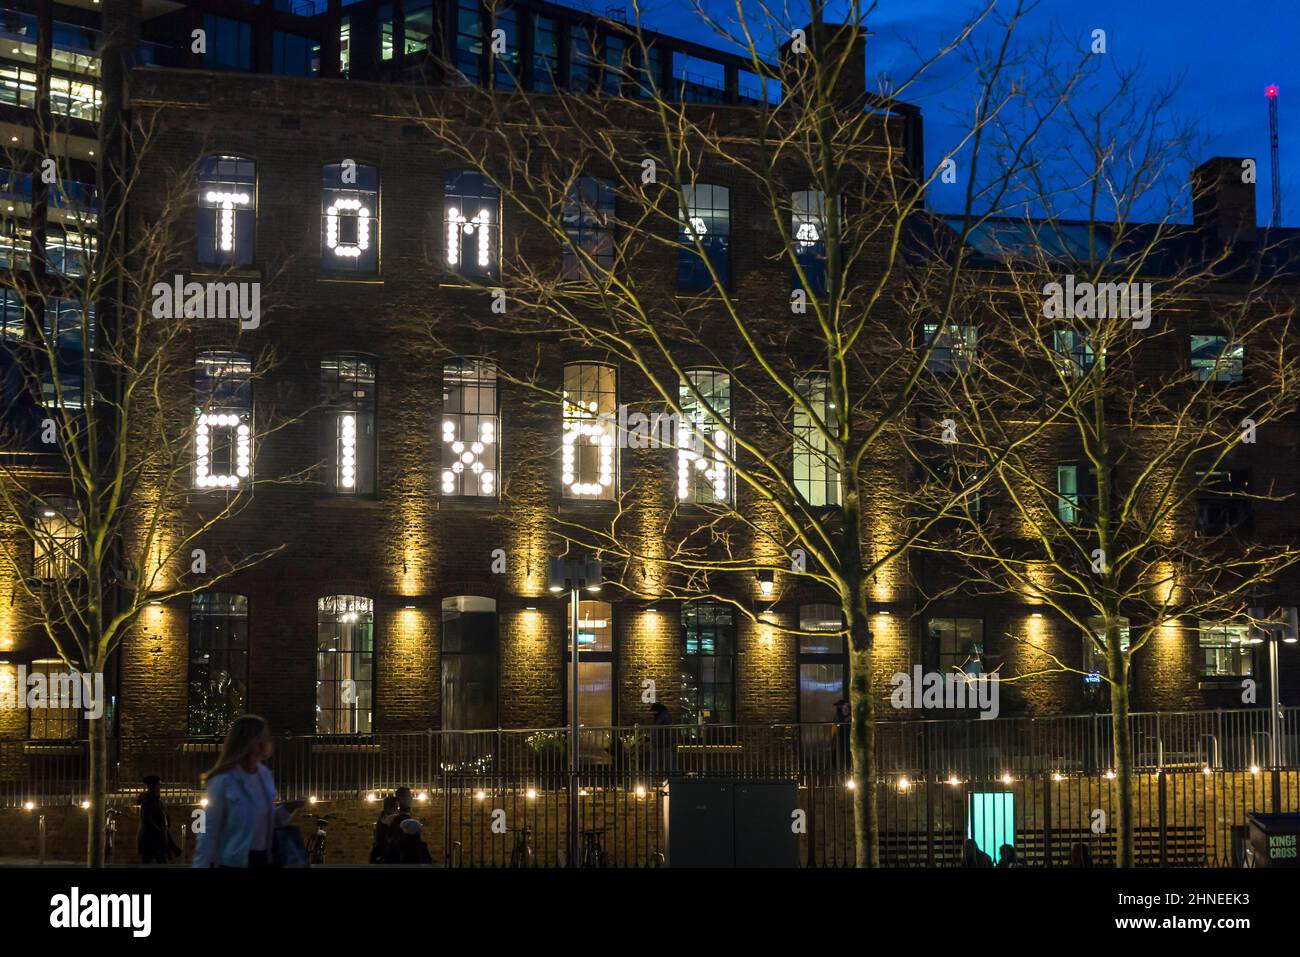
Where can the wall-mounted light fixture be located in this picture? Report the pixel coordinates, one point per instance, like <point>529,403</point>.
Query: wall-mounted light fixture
<point>766,581</point>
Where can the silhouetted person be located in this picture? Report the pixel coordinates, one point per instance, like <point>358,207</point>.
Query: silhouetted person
<point>154,838</point>
<point>403,798</point>
<point>1080,855</point>
<point>972,856</point>
<point>409,848</point>
<point>1009,857</point>
<point>383,835</point>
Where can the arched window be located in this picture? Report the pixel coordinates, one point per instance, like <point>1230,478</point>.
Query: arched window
<point>470,428</point>
<point>218,671</point>
<point>471,221</point>
<point>589,220</point>
<point>808,233</point>
<point>345,664</point>
<point>703,473</point>
<point>349,212</point>
<point>816,476</point>
<point>469,663</point>
<point>223,420</point>
<point>707,217</point>
<point>590,452</point>
<point>347,438</point>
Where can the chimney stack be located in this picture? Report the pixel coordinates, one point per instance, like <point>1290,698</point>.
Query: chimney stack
<point>827,42</point>
<point>1223,200</point>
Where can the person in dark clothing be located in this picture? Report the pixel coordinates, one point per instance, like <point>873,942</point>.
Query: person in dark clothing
<point>1080,855</point>
<point>972,856</point>
<point>154,839</point>
<point>662,737</point>
<point>383,832</point>
<point>403,813</point>
<point>843,732</point>
<point>1008,857</point>
<point>409,848</point>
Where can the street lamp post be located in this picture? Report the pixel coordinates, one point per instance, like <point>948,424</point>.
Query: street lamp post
<point>574,575</point>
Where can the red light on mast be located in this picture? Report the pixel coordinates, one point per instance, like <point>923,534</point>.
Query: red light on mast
<point>1271,92</point>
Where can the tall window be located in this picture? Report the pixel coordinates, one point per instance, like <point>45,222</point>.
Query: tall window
<point>469,40</point>
<point>707,218</point>
<point>345,664</point>
<point>808,233</point>
<point>387,44</point>
<point>218,673</point>
<point>505,65</point>
<point>470,428</point>
<point>546,54</point>
<point>348,424</point>
<point>469,663</point>
<point>589,455</point>
<point>816,476</point>
<point>589,221</point>
<point>1217,359</point>
<point>69,328</point>
<point>956,644</point>
<point>703,474</point>
<point>294,55</point>
<point>57,542</point>
<point>823,662</point>
<point>955,349</point>
<point>708,663</point>
<point>582,59</point>
<point>227,210</point>
<point>595,664</point>
<point>60,719</point>
<point>228,44</point>
<point>1226,649</point>
<point>1076,492</point>
<point>349,212</point>
<point>345,45</point>
<point>419,24</point>
<point>471,220</point>
<point>615,72</point>
<point>223,420</point>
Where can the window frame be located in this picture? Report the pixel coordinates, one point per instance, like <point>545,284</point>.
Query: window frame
<point>364,660</point>
<point>809,446</point>
<point>215,192</point>
<point>449,603</point>
<point>579,423</point>
<point>357,202</point>
<point>488,198</point>
<point>692,711</point>
<point>227,615</point>
<point>336,407</point>
<point>695,416</point>
<point>693,274</point>
<point>474,377</point>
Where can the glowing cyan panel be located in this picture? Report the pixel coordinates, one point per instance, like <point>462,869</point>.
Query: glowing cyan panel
<point>209,431</point>
<point>227,202</point>
<point>351,207</point>
<point>482,223</point>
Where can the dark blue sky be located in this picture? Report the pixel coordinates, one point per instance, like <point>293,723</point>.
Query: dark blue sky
<point>1221,54</point>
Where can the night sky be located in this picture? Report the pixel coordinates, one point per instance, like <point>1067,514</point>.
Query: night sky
<point>1221,56</point>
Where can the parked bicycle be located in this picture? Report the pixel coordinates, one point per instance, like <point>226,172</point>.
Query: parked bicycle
<point>522,856</point>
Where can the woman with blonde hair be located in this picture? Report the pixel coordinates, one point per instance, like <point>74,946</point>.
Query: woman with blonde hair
<point>241,816</point>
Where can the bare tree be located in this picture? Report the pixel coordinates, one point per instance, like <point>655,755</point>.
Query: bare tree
<point>624,255</point>
<point>1103,405</point>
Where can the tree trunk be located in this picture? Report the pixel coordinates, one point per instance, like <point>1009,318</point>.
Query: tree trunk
<point>863,750</point>
<point>1123,738</point>
<point>97,732</point>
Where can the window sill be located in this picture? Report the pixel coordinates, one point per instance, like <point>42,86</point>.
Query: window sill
<point>53,747</point>
<point>1220,682</point>
<point>216,272</point>
<point>331,500</point>
<point>351,280</point>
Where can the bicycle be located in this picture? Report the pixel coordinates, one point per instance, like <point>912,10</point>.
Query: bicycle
<point>593,853</point>
<point>522,855</point>
<point>316,846</point>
